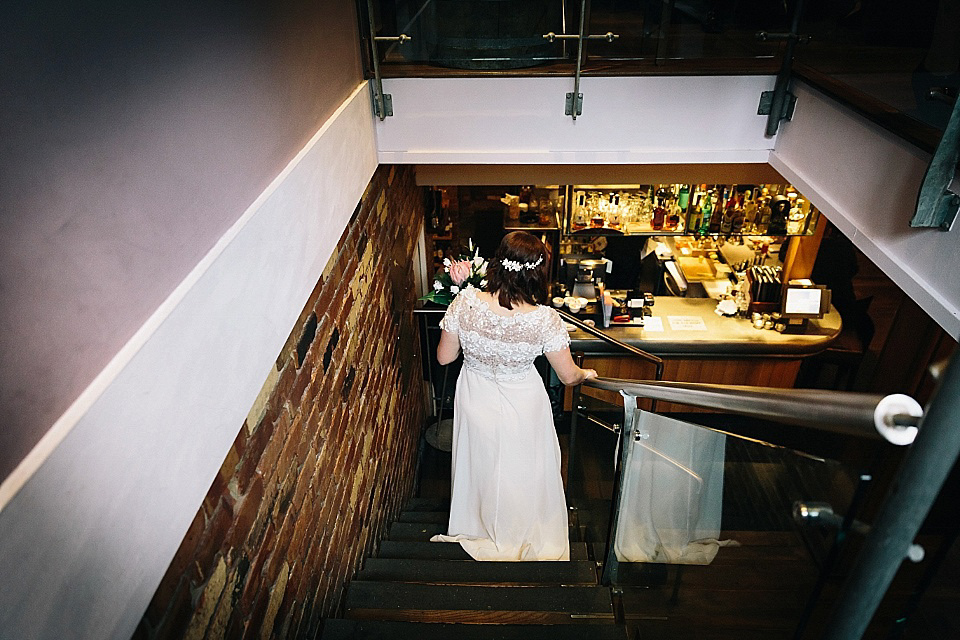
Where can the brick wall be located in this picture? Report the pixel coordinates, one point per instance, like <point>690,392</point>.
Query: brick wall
<point>327,455</point>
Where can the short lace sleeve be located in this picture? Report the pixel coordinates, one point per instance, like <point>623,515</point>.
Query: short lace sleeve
<point>451,319</point>
<point>555,336</point>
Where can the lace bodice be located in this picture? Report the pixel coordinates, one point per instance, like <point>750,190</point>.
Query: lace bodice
<point>502,347</point>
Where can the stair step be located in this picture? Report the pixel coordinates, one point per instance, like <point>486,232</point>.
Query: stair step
<point>427,504</point>
<point>441,517</point>
<point>448,550</point>
<point>422,550</point>
<point>415,531</point>
<point>445,572</point>
<point>336,629</point>
<point>478,605</point>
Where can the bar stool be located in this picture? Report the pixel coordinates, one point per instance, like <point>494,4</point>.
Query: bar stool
<point>844,355</point>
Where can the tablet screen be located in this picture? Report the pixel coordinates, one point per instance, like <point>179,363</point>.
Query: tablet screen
<point>803,301</point>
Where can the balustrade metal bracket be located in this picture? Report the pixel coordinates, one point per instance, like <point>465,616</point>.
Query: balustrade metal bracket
<point>778,105</point>
<point>574,107</point>
<point>384,99</point>
<point>787,106</point>
<point>382,102</point>
<point>568,109</point>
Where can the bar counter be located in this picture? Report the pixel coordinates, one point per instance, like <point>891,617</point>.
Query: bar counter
<point>719,336</point>
<point>712,348</point>
<point>702,346</point>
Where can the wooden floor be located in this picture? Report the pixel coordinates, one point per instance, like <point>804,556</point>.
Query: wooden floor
<point>760,588</point>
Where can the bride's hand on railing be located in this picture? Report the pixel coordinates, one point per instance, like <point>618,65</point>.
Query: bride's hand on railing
<point>588,374</point>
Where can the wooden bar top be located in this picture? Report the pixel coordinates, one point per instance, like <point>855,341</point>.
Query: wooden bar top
<point>690,327</point>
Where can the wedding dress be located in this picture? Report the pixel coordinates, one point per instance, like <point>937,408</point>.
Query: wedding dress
<point>507,500</point>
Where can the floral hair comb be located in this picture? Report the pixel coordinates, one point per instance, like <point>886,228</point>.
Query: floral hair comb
<point>513,265</point>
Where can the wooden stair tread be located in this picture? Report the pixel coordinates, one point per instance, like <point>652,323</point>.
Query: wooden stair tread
<point>424,516</point>
<point>744,575</point>
<point>424,549</point>
<point>427,504</point>
<point>415,531</point>
<point>338,629</point>
<point>463,573</point>
<point>385,596</point>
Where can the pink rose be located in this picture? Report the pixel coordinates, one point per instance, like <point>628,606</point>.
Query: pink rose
<point>460,271</point>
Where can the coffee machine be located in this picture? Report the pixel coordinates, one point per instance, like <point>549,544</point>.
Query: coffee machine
<point>581,274</point>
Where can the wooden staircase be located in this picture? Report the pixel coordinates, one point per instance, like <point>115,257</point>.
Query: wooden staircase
<point>417,589</point>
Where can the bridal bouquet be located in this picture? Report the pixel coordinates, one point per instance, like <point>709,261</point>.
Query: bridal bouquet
<point>458,274</point>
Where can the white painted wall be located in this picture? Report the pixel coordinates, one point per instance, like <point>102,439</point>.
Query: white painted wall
<point>133,135</point>
<point>92,517</point>
<point>866,181</point>
<point>640,120</point>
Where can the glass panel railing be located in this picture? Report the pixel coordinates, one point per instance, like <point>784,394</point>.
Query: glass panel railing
<point>663,31</point>
<point>707,541</point>
<point>897,64</point>
<point>512,34</point>
<point>461,34</point>
<point>893,57</point>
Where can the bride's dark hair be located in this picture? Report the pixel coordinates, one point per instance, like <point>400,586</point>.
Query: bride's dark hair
<point>526,285</point>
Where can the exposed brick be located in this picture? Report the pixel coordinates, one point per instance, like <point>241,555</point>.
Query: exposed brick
<point>257,614</point>
<point>246,470</point>
<point>304,377</point>
<point>301,498</point>
<point>180,611</point>
<point>288,376</point>
<point>212,540</point>
<point>245,514</point>
<point>255,574</point>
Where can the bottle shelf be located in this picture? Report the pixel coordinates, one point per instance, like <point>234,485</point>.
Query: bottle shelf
<point>677,209</point>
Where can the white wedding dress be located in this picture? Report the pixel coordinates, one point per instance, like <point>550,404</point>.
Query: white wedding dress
<point>507,500</point>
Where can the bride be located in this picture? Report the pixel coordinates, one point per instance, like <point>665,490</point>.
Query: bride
<point>507,499</point>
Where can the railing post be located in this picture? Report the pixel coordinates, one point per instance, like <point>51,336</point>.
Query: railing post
<point>611,565</point>
<point>574,101</point>
<point>778,104</point>
<point>575,409</point>
<point>382,102</point>
<point>833,555</point>
<point>919,480</point>
<point>939,201</point>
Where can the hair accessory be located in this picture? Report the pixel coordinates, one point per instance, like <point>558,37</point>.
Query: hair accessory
<point>513,265</point>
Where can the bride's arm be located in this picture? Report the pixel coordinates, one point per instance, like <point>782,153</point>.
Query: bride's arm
<point>567,370</point>
<point>449,347</point>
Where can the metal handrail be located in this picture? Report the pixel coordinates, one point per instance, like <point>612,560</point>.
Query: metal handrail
<point>597,333</point>
<point>640,353</point>
<point>895,417</point>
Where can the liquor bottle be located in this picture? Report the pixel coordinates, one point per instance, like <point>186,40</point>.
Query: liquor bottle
<point>693,216</point>
<point>526,193</point>
<point>580,216</point>
<point>736,225</point>
<point>795,219</point>
<point>763,217</point>
<point>659,210</point>
<point>750,209</point>
<point>672,220</point>
<point>716,220</point>
<point>726,223</point>
<point>706,213</point>
<point>614,215</point>
<point>779,211</point>
<point>683,198</point>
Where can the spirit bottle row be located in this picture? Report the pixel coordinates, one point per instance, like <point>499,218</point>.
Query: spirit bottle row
<point>694,209</point>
